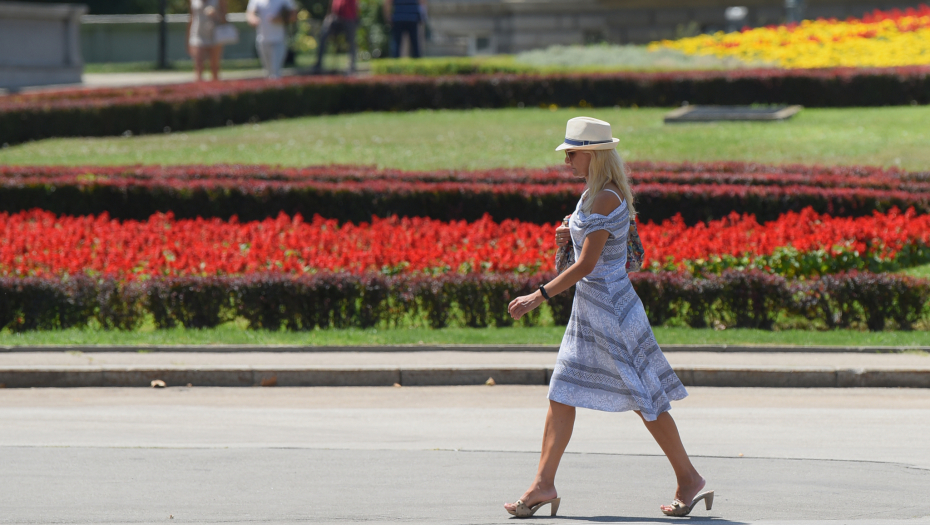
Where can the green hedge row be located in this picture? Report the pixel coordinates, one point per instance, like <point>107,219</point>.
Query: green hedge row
<point>272,302</point>
<point>238,102</point>
<point>267,301</point>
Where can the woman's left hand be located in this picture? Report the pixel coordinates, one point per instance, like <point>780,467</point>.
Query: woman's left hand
<point>524,304</point>
<point>563,236</point>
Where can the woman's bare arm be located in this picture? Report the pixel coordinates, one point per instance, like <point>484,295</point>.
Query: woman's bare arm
<point>590,253</point>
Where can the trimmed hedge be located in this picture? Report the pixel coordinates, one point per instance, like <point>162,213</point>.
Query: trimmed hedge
<point>698,191</point>
<point>154,109</point>
<point>271,302</point>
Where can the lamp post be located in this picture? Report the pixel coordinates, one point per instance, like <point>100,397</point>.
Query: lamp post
<point>794,10</point>
<point>162,35</point>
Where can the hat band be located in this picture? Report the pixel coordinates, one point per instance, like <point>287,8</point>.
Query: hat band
<point>572,142</point>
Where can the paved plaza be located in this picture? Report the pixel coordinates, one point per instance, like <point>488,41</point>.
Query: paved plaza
<point>449,455</point>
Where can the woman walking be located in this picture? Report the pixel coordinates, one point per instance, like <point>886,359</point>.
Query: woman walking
<point>609,359</point>
<point>201,45</point>
<point>269,18</point>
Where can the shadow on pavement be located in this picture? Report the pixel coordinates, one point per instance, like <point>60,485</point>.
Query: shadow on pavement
<point>638,519</point>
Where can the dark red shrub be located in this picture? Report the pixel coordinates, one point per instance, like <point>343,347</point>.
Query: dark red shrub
<point>153,109</point>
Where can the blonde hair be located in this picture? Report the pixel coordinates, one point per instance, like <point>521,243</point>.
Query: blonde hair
<point>606,166</point>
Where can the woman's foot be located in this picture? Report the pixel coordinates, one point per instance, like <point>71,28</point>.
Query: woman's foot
<point>536,493</point>
<point>687,491</point>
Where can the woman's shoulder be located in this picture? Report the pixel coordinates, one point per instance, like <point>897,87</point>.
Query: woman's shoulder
<point>606,201</point>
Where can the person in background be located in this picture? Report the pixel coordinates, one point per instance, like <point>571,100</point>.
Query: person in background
<point>269,17</point>
<point>205,16</point>
<point>404,16</point>
<point>342,18</point>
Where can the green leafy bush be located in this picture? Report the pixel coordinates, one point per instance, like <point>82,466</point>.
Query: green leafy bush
<point>751,299</point>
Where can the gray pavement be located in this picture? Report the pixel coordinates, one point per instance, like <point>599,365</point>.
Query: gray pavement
<point>153,78</point>
<point>449,455</point>
<point>443,367</point>
<point>146,78</point>
<point>150,78</point>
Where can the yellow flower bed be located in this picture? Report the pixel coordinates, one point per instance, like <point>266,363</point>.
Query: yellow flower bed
<point>882,39</point>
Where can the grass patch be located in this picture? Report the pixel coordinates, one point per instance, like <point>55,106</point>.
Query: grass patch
<point>918,271</point>
<point>233,333</point>
<point>478,139</point>
<point>734,336</point>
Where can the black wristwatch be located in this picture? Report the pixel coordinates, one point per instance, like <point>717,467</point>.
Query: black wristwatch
<point>542,290</point>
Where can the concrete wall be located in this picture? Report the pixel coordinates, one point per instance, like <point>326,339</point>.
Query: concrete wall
<point>464,27</point>
<point>39,44</point>
<point>134,38</point>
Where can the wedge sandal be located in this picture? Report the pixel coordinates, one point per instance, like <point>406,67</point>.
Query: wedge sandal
<point>680,509</point>
<point>522,511</point>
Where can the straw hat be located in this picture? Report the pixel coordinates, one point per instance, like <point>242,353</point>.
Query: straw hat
<point>587,133</point>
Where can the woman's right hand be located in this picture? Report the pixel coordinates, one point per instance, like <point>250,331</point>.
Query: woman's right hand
<point>563,236</point>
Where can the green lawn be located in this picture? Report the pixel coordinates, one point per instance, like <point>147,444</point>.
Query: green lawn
<point>233,334</point>
<point>918,271</point>
<point>898,136</point>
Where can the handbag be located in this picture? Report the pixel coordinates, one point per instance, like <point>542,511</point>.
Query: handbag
<point>225,34</point>
<point>565,255</point>
<point>634,249</point>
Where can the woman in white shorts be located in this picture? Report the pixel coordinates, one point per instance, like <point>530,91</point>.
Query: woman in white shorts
<point>205,16</point>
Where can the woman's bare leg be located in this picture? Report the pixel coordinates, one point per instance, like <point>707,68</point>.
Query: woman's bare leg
<point>559,424</point>
<point>198,56</point>
<point>216,54</point>
<point>665,432</point>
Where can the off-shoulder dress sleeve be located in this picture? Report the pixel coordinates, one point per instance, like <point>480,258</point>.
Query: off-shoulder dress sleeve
<point>611,222</point>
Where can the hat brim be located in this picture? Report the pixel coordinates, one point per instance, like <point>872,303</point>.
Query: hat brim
<point>606,145</point>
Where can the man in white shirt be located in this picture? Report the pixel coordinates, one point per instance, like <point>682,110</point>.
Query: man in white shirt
<point>269,16</point>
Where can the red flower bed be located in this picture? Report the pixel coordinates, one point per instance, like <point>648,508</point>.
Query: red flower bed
<point>803,243</point>
<point>37,243</point>
<point>353,193</point>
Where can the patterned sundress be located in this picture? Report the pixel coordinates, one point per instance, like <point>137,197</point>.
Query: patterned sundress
<point>609,359</point>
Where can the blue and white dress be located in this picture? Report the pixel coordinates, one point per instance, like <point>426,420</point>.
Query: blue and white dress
<point>609,359</point>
